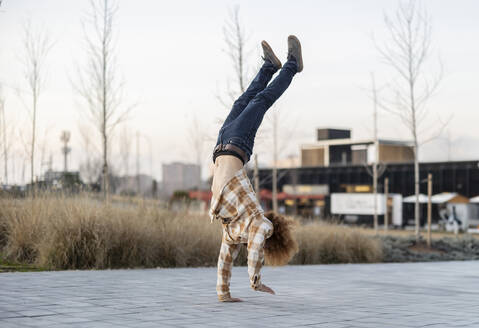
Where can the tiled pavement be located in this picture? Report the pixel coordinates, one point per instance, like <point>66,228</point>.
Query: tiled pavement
<point>444,294</point>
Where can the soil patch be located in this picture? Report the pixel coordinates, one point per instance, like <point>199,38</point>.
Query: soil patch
<point>405,249</point>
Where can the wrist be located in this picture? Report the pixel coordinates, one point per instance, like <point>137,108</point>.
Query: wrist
<point>256,282</point>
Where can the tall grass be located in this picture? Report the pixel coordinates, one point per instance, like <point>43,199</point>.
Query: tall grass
<point>332,243</point>
<point>81,233</point>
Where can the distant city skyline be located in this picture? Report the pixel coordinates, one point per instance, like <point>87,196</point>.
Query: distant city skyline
<point>171,56</point>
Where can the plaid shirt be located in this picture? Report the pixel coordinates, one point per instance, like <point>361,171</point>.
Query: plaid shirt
<point>243,223</point>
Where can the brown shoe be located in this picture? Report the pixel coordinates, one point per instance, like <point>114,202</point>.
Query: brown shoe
<point>294,50</point>
<point>268,54</point>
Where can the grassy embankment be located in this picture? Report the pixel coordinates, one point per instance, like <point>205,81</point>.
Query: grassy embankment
<point>80,233</point>
<point>57,233</point>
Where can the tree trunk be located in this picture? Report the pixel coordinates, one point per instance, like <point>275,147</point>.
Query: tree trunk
<point>5,148</point>
<point>32,150</point>
<point>376,154</point>
<point>106,186</point>
<point>275,170</point>
<point>375,192</point>
<point>416,192</point>
<point>386,196</point>
<point>138,187</point>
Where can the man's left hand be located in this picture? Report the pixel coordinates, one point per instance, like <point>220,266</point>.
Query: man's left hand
<point>265,289</point>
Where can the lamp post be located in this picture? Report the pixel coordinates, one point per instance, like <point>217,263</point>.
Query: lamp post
<point>65,138</point>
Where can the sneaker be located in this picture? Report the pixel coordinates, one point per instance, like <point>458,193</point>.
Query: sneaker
<point>268,54</point>
<point>294,51</point>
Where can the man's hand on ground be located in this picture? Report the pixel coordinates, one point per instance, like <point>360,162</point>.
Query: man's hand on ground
<point>266,289</point>
<point>231,299</point>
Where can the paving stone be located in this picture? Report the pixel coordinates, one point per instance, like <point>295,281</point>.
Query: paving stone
<point>442,294</point>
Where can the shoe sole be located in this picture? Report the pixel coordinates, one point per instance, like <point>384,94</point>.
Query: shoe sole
<point>299,60</point>
<point>276,61</point>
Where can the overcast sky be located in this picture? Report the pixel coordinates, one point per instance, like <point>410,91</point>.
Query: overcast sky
<point>171,56</point>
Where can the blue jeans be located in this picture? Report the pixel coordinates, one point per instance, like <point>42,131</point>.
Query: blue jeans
<point>249,109</point>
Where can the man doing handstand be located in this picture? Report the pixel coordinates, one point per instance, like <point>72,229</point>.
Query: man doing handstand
<point>234,201</point>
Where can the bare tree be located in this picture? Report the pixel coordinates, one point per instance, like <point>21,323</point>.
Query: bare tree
<point>237,50</point>
<point>37,45</point>
<point>24,152</point>
<point>235,39</point>
<point>406,53</point>
<point>90,166</point>
<point>281,136</point>
<point>3,130</point>
<point>99,85</point>
<point>376,152</point>
<point>377,168</point>
<point>126,140</point>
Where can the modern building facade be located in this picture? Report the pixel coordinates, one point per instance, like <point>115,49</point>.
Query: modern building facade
<point>335,147</point>
<point>338,164</point>
<point>461,177</point>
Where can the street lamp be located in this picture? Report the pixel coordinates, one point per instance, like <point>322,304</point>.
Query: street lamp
<point>65,138</point>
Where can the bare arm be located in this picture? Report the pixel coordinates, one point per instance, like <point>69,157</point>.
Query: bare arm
<point>258,231</point>
<point>228,253</point>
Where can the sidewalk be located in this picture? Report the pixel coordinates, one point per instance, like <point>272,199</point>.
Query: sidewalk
<point>441,294</point>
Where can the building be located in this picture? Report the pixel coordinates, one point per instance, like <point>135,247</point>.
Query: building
<point>335,147</point>
<point>290,161</point>
<point>180,176</point>
<point>337,164</point>
<point>461,177</point>
<point>59,181</point>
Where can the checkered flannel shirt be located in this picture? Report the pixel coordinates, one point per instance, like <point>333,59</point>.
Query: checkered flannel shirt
<point>243,223</point>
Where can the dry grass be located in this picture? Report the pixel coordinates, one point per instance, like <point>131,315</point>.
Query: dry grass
<point>81,233</point>
<point>331,243</point>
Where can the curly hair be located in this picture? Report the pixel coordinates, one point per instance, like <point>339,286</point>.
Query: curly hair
<point>281,246</point>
